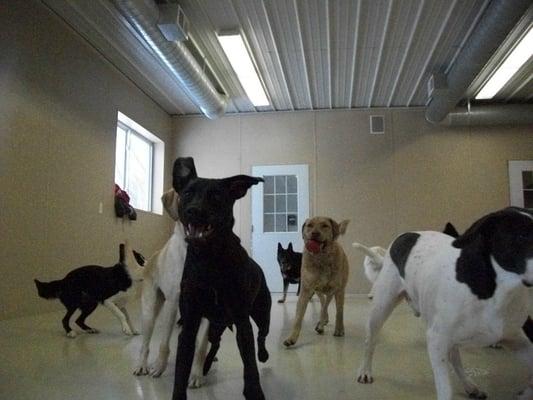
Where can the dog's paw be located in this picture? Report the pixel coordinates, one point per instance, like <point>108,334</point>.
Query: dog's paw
<point>196,380</point>
<point>281,301</point>
<point>365,375</point>
<point>253,392</point>
<point>72,334</point>
<point>128,331</point>
<point>158,367</point>
<point>319,329</point>
<point>262,355</point>
<point>338,332</point>
<point>141,370</point>
<point>91,331</point>
<point>365,378</point>
<point>476,394</point>
<point>289,342</point>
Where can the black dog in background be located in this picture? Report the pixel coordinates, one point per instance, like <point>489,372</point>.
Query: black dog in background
<point>528,326</point>
<point>290,265</point>
<point>220,281</point>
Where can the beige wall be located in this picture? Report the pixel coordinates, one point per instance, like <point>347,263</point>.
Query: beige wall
<point>58,110</point>
<point>416,176</point>
<point>58,107</point>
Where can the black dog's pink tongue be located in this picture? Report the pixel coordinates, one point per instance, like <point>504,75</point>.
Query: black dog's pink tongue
<point>313,246</point>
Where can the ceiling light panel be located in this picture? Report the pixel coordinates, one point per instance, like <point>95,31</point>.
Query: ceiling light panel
<point>242,64</point>
<point>514,61</point>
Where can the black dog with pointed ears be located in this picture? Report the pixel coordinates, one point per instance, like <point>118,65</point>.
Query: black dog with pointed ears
<point>290,265</point>
<point>220,281</point>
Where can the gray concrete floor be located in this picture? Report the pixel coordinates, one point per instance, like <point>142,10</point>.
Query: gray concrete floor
<point>38,362</point>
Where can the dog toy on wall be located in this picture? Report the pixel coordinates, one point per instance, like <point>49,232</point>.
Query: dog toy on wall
<point>122,204</point>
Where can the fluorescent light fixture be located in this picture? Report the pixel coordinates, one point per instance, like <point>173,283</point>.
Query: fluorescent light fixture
<point>514,61</point>
<point>243,66</point>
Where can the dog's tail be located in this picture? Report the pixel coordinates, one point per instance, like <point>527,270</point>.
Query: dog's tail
<point>373,260</point>
<point>49,290</point>
<point>133,261</point>
<point>374,256</point>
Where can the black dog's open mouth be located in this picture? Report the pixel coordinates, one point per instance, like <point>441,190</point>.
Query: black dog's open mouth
<point>198,232</point>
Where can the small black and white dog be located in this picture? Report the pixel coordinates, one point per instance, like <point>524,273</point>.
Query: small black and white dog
<point>290,265</point>
<point>470,290</point>
<point>220,281</point>
<point>86,286</point>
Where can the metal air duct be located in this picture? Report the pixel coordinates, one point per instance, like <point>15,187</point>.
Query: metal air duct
<point>143,16</point>
<point>497,114</point>
<point>498,20</point>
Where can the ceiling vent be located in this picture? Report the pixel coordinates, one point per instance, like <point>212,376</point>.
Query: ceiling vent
<point>377,124</point>
<point>436,84</point>
<point>174,56</point>
<point>172,22</point>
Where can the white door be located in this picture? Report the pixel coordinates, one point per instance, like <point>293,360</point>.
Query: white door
<point>279,208</point>
<point>521,183</point>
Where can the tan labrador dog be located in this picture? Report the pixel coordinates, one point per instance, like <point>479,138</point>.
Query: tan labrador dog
<point>324,271</point>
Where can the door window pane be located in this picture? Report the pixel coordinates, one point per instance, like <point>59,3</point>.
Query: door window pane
<point>292,222</point>
<point>292,203</point>
<point>292,184</point>
<point>268,223</point>
<point>281,187</point>
<point>268,203</point>
<point>268,186</point>
<point>281,222</point>
<point>277,203</point>
<point>281,203</point>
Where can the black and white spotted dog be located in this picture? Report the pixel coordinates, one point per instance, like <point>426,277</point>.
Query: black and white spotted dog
<point>470,290</point>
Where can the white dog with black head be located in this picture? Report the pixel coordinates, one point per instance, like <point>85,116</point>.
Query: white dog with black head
<point>472,290</point>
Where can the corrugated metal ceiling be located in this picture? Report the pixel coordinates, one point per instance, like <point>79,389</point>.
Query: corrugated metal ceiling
<point>321,54</point>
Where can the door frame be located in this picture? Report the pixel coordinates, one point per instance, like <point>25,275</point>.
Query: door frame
<point>302,171</point>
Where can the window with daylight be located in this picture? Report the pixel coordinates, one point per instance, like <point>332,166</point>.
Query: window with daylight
<point>280,203</point>
<point>139,163</point>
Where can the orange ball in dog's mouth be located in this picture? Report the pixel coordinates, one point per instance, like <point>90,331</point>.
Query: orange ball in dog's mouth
<point>313,246</point>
